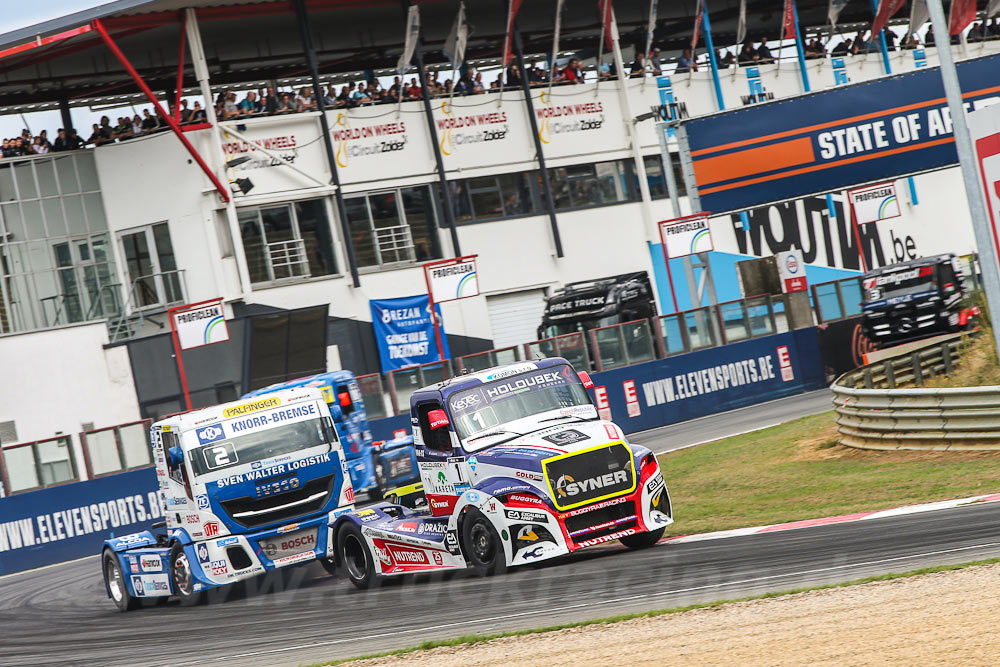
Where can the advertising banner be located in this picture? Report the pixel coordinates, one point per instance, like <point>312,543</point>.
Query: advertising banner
<point>200,324</point>
<point>404,332</point>
<point>686,236</point>
<point>984,129</point>
<point>830,140</point>
<point>874,203</point>
<point>792,271</point>
<point>376,143</point>
<point>296,141</point>
<point>452,279</point>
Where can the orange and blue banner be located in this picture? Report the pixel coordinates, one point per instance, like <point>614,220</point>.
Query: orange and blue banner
<point>830,140</point>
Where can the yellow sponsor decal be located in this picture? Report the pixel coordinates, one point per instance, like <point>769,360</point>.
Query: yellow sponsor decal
<point>252,406</point>
<point>562,499</point>
<point>328,394</point>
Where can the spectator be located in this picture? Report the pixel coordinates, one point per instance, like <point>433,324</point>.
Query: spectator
<point>912,43</point>
<point>122,130</point>
<point>655,63</point>
<point>250,106</point>
<point>976,33</point>
<point>929,37</point>
<point>725,58</point>
<point>814,50</point>
<point>477,84</point>
<point>268,102</point>
<point>993,29</point>
<point>197,114</point>
<point>361,95</point>
<point>305,99</point>
<point>38,147</point>
<point>148,122</point>
<point>61,143</point>
<point>637,69</point>
<point>748,55</point>
<point>185,112</point>
<point>604,70</point>
<point>136,125</point>
<point>685,63</point>
<point>842,49</point>
<point>764,53</point>
<point>535,75</point>
<point>514,76</point>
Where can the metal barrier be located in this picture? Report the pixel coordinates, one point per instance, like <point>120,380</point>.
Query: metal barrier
<point>480,361</point>
<point>372,395</point>
<point>571,346</point>
<point>405,381</point>
<point>874,413</point>
<point>622,344</point>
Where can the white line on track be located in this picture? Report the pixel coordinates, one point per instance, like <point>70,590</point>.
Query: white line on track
<point>582,605</point>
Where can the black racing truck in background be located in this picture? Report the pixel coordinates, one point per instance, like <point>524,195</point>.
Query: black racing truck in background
<point>591,304</point>
<point>916,299</point>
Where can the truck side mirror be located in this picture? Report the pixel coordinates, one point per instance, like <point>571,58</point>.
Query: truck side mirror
<point>175,457</point>
<point>437,419</point>
<point>585,379</point>
<point>345,399</point>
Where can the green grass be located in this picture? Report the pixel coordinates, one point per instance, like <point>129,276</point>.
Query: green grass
<point>796,471</point>
<point>477,639</point>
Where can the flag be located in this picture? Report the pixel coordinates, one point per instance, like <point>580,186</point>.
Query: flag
<point>918,16</point>
<point>963,12</point>
<point>697,26</point>
<point>511,15</point>
<point>833,13</point>
<point>606,20</point>
<point>556,33</point>
<point>741,28</point>
<point>454,46</point>
<point>412,32</point>
<point>789,19</point>
<point>993,8</point>
<point>651,26</point>
<point>886,10</point>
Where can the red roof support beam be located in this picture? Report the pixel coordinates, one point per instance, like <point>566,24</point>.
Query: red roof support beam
<point>181,49</point>
<point>99,27</point>
<point>42,41</point>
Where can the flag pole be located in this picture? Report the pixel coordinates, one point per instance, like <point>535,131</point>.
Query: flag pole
<point>800,51</point>
<point>706,24</point>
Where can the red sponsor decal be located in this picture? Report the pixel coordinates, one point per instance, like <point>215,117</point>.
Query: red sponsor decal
<point>350,494</point>
<point>531,500</point>
<point>441,505</point>
<point>611,431</point>
<point>399,433</point>
<point>631,399</point>
<point>603,407</point>
<point>785,363</point>
<point>407,527</point>
<point>211,529</point>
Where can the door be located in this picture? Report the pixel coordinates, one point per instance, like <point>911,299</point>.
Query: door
<point>152,267</point>
<point>515,316</point>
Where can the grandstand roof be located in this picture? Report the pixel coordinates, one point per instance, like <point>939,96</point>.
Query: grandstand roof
<point>256,41</point>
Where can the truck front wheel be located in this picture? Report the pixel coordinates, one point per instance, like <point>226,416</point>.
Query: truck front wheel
<point>183,577</point>
<point>642,540</point>
<point>482,545</point>
<point>114,580</point>
<point>355,557</point>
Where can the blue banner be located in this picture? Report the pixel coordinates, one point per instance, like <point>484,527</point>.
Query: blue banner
<point>831,140</point>
<point>404,332</point>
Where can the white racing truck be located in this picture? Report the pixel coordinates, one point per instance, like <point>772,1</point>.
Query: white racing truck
<point>245,487</point>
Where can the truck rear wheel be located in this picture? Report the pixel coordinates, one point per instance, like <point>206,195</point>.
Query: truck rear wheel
<point>114,581</point>
<point>355,558</point>
<point>182,577</point>
<point>482,545</point>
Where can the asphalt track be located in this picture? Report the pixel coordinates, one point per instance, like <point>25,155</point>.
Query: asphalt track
<point>60,615</point>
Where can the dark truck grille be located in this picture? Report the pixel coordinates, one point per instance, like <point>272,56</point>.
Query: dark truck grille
<point>248,504</point>
<point>614,516</point>
<point>590,476</point>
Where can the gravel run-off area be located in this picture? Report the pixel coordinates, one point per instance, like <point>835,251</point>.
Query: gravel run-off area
<point>944,618</point>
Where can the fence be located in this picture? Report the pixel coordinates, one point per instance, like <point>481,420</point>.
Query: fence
<point>873,412</point>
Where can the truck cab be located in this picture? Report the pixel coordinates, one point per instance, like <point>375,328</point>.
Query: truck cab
<point>516,467</point>
<point>244,487</point>
<point>592,304</point>
<point>375,467</point>
<point>916,299</point>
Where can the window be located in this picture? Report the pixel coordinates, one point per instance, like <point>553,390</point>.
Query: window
<point>36,465</point>
<point>489,197</point>
<point>288,241</point>
<point>392,226</point>
<point>654,176</point>
<point>154,280</point>
<point>54,264</point>
<point>117,448</point>
<point>579,185</point>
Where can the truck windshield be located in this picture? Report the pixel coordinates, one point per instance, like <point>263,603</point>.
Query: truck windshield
<point>508,399</point>
<point>261,445</point>
<point>899,284</point>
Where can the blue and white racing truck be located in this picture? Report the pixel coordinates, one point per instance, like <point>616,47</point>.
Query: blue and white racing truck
<point>245,487</point>
<point>517,467</point>
<point>375,467</point>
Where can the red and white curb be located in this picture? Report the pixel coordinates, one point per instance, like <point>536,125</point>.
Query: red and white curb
<point>843,518</point>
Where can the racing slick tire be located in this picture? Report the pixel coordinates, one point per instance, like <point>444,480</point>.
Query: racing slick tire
<point>355,558</point>
<point>642,540</point>
<point>182,578</point>
<point>114,581</point>
<point>482,545</point>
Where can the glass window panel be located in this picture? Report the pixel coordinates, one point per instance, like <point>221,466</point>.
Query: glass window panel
<point>827,303</point>
<point>55,461</point>
<point>103,452</point>
<point>27,188</point>
<point>46,173</point>
<point>654,176</point>
<point>95,213</point>
<point>850,291</point>
<point>87,171</point>
<point>253,244</point>
<point>420,216</point>
<point>139,262</point>
<point>759,317</point>
<point>485,195</point>
<point>23,304</point>
<point>558,180</point>
<point>734,321</point>
<point>314,230</point>
<point>75,218</point>
<point>55,221</point>
<point>13,222</point>
<point>99,245</point>
<point>700,329</point>
<point>460,200</point>
<point>7,191</point>
<point>33,222</point>
<point>66,174</point>
<point>19,463</point>
<point>516,192</point>
<point>609,347</point>
<point>171,280</point>
<point>135,445</point>
<point>638,342</point>
<point>40,256</point>
<point>671,330</point>
<point>610,185</point>
<point>277,223</point>
<point>361,233</point>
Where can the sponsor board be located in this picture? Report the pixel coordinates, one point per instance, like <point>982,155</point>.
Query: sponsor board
<point>686,236</point>
<point>151,563</point>
<point>198,326</point>
<point>606,538</point>
<point>874,203</point>
<point>450,280</point>
<point>294,558</point>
